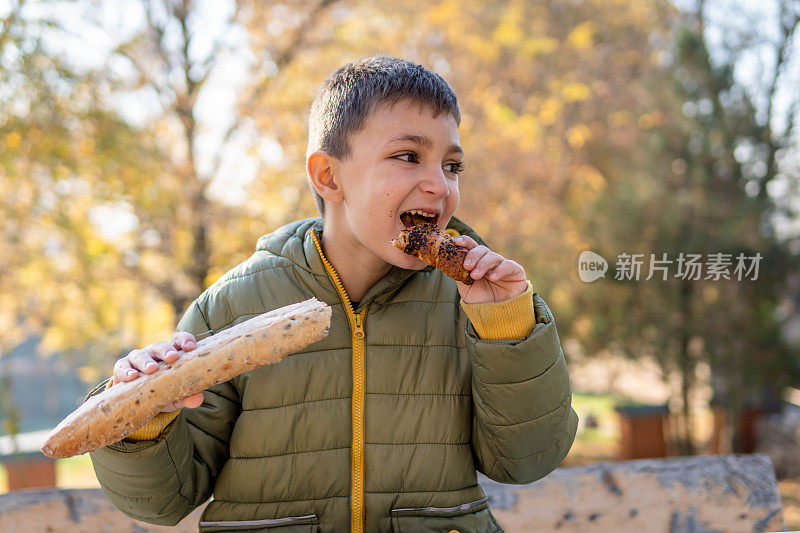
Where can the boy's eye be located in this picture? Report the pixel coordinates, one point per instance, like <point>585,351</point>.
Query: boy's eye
<point>455,168</point>
<point>409,157</point>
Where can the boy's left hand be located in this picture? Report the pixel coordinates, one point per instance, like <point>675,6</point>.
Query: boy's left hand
<point>496,278</point>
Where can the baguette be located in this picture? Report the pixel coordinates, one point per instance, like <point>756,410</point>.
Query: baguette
<point>430,244</point>
<point>122,409</point>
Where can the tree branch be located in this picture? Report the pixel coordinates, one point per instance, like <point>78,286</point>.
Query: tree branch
<point>9,21</point>
<point>218,48</point>
<point>788,27</point>
<point>780,59</point>
<point>281,61</point>
<point>159,34</point>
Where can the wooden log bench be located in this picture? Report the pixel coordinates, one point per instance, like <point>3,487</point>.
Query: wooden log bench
<point>718,493</point>
<point>677,495</point>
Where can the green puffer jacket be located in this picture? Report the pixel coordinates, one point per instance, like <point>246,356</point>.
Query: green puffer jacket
<point>387,418</point>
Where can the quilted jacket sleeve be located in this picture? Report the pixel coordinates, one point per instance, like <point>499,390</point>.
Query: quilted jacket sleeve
<point>162,480</point>
<point>523,422</point>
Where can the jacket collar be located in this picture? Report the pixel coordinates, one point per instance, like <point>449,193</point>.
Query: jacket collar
<point>295,242</point>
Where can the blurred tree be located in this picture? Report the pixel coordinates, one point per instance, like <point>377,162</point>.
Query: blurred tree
<point>696,192</point>
<point>537,82</point>
<point>743,149</point>
<point>110,222</point>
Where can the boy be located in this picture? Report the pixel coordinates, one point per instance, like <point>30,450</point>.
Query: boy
<point>421,381</point>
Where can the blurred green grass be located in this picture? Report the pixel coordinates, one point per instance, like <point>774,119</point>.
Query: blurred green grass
<point>76,472</point>
<point>597,443</point>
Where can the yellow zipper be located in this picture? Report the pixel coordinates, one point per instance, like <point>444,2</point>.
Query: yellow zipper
<point>359,387</point>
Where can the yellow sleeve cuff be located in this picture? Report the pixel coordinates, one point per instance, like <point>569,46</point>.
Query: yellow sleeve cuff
<point>494,321</point>
<point>153,428</point>
<point>511,319</point>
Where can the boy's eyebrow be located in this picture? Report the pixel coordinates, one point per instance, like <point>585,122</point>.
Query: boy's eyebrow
<point>427,142</point>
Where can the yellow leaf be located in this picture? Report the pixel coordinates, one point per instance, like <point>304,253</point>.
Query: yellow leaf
<point>578,135</point>
<point>13,139</point>
<point>482,48</point>
<point>86,147</point>
<point>499,113</point>
<point>507,33</point>
<point>213,275</point>
<point>549,112</point>
<point>527,130</point>
<point>589,178</point>
<point>542,45</point>
<point>646,121</point>
<point>444,13</point>
<point>582,36</point>
<point>95,247</point>
<point>574,92</point>
<point>619,118</point>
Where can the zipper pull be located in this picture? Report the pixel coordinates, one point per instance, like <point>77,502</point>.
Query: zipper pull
<point>358,330</point>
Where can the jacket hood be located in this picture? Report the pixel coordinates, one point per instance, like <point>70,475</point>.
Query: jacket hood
<point>294,242</point>
<point>278,242</point>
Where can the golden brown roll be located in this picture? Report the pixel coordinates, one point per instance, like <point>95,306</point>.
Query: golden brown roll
<point>430,244</point>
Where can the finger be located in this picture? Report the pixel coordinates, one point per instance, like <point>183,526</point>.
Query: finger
<point>195,400</point>
<point>475,255</point>
<point>160,350</point>
<point>466,241</point>
<point>123,371</point>
<point>142,361</point>
<point>486,263</point>
<point>163,351</point>
<point>183,340</point>
<point>507,269</point>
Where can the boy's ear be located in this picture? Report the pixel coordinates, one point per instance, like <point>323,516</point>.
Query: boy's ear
<point>321,168</point>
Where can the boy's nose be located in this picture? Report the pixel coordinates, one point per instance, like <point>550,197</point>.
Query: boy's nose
<point>435,183</point>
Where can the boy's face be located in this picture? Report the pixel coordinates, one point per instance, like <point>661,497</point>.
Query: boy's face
<point>403,159</point>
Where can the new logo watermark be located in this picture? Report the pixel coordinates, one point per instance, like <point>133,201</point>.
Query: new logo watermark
<point>715,266</point>
<point>591,266</point>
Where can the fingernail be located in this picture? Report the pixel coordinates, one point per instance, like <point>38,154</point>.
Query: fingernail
<point>189,344</point>
<point>150,365</point>
<point>130,373</point>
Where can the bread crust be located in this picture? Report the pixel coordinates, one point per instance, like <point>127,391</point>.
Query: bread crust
<point>430,244</point>
<point>119,411</point>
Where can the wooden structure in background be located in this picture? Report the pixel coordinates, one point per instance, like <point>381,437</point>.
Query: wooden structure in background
<point>746,426</point>
<point>642,433</point>
<point>681,494</point>
<point>31,470</point>
<point>75,511</point>
<point>730,493</point>
<point>25,465</point>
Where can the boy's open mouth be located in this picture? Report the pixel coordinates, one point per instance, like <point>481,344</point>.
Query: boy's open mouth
<point>415,217</point>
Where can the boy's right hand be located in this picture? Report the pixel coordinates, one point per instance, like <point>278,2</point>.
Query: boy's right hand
<point>145,360</point>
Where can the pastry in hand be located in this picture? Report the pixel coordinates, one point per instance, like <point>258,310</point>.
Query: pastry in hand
<point>429,243</point>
